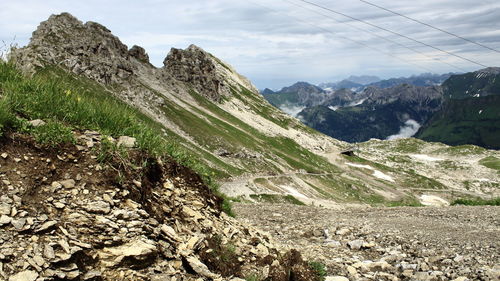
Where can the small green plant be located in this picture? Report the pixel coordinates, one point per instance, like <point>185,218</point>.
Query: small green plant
<point>220,257</point>
<point>319,268</point>
<point>477,202</point>
<point>53,133</point>
<point>226,205</point>
<point>253,277</point>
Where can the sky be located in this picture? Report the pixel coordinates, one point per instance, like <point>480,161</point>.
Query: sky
<point>276,43</point>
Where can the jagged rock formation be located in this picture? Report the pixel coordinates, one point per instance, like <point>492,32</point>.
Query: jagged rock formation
<point>91,50</point>
<point>63,40</point>
<point>196,67</point>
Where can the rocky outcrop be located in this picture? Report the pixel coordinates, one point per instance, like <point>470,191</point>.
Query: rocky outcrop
<point>90,49</point>
<point>86,49</point>
<point>196,67</point>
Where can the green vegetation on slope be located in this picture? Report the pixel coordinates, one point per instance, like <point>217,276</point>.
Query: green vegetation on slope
<point>469,84</point>
<point>279,99</point>
<point>466,121</point>
<point>276,198</point>
<point>477,202</point>
<point>68,102</point>
<point>470,113</point>
<point>491,162</point>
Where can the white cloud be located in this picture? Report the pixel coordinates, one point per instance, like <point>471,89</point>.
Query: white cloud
<point>409,129</point>
<point>271,47</point>
<point>291,109</point>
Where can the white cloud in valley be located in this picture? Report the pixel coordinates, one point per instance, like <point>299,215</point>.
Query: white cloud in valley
<point>409,129</point>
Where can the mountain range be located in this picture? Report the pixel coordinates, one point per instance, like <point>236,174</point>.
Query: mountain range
<point>426,106</point>
<point>359,83</point>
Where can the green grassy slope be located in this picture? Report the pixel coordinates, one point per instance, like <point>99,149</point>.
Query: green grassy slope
<point>466,121</point>
<point>470,113</point>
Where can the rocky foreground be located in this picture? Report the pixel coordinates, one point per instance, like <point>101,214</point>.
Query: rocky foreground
<point>80,213</point>
<point>406,243</point>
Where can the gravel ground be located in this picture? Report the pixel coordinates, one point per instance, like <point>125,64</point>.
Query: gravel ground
<point>404,243</point>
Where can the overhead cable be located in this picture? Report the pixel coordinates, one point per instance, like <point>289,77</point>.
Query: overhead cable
<point>431,26</point>
<point>392,32</point>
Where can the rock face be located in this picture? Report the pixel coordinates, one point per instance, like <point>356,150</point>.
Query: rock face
<point>196,67</point>
<point>101,56</point>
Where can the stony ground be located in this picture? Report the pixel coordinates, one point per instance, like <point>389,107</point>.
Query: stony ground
<point>64,215</point>
<point>405,243</point>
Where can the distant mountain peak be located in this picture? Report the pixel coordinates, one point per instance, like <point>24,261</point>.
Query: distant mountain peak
<point>490,70</point>
<point>302,87</point>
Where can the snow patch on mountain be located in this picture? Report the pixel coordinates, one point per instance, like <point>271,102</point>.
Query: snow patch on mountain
<point>376,173</point>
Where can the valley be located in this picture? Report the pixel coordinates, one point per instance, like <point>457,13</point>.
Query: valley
<point>444,108</point>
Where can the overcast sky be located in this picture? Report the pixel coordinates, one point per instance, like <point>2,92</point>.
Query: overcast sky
<point>276,43</point>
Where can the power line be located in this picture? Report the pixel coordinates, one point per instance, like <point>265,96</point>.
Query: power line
<point>393,32</point>
<point>431,26</point>
<point>346,38</point>
<point>376,35</point>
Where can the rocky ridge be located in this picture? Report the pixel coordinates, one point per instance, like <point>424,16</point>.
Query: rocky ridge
<point>90,49</point>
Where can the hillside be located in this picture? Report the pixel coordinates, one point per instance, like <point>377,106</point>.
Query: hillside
<point>470,112</point>
<point>203,110</point>
<point>293,99</point>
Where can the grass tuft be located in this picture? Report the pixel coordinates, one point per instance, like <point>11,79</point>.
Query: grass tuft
<point>53,134</point>
<point>477,202</point>
<point>320,270</point>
